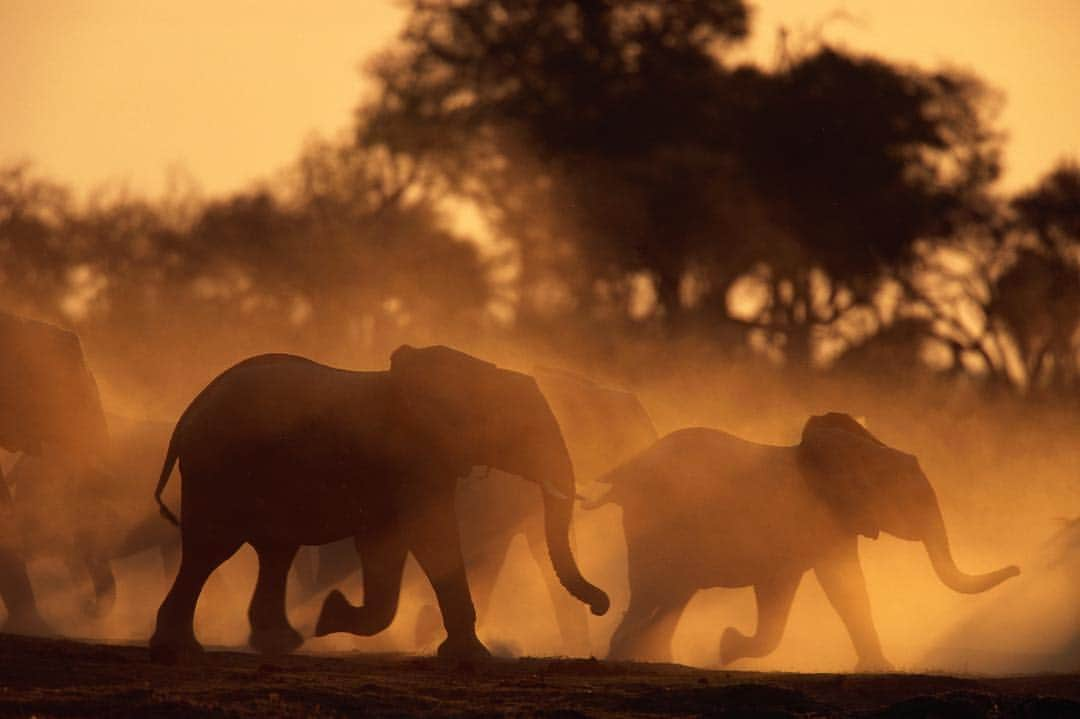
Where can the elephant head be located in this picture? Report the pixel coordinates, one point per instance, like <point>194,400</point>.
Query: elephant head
<point>49,401</point>
<point>603,426</point>
<point>475,414</point>
<point>873,488</point>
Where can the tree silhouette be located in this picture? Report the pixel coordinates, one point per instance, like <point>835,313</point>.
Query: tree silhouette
<point>578,125</point>
<point>1037,300</point>
<point>335,259</point>
<point>612,143</point>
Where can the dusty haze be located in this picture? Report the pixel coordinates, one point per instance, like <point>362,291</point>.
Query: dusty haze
<point>707,275</point>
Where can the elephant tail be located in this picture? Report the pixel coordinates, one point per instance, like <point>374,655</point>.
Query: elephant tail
<point>166,472</point>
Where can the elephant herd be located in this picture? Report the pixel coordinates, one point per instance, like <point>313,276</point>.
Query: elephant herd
<point>280,452</point>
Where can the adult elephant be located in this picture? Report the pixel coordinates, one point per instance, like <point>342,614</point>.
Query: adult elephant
<point>280,451</point>
<point>602,426</point>
<point>738,514</point>
<point>49,406</point>
<point>125,520</point>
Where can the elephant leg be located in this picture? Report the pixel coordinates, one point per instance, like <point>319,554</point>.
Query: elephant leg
<point>15,587</point>
<point>18,596</point>
<point>646,630</point>
<point>626,642</point>
<point>383,561</point>
<point>170,558</point>
<point>648,580</point>
<point>436,545</point>
<point>482,568</point>
<point>303,569</point>
<point>840,575</point>
<point>570,614</point>
<point>774,599</point>
<point>174,635</point>
<point>656,640</point>
<point>483,572</point>
<point>104,583</point>
<point>271,632</point>
<point>151,531</point>
<point>330,565</point>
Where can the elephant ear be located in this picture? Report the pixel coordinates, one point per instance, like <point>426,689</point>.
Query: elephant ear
<point>843,464</point>
<point>439,395</point>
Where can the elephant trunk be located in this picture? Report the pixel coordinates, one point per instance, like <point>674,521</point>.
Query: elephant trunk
<point>937,547</point>
<point>558,511</point>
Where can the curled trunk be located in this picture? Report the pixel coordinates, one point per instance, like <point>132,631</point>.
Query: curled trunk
<point>558,512</point>
<point>937,547</point>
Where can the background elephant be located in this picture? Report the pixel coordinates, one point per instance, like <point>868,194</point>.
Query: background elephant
<point>735,514</point>
<point>125,520</point>
<point>49,407</point>
<point>281,451</point>
<point>602,427</point>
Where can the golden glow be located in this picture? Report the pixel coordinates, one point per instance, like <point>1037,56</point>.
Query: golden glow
<point>122,90</point>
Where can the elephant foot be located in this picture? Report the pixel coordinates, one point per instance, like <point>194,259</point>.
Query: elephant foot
<point>874,665</point>
<point>336,615</point>
<point>27,623</point>
<point>171,652</point>
<point>732,646</point>
<point>466,649</point>
<point>282,640</point>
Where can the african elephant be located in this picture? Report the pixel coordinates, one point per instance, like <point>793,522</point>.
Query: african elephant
<point>602,427</point>
<point>735,514</point>
<point>126,521</point>
<point>49,406</point>
<point>280,451</point>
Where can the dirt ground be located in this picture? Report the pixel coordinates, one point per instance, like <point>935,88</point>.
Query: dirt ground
<point>46,678</point>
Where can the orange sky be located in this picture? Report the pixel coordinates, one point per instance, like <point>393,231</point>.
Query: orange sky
<point>120,90</point>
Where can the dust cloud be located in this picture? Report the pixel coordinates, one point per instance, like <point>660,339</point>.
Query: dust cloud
<point>1004,473</point>
<point>677,254</point>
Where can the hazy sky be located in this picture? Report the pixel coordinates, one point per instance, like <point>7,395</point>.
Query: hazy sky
<point>120,90</point>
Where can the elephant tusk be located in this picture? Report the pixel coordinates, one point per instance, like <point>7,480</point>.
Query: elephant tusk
<point>598,501</point>
<point>552,489</point>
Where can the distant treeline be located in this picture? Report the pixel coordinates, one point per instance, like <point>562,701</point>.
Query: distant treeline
<point>637,189</point>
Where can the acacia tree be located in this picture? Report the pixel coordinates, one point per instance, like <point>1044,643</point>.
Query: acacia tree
<point>579,126</point>
<point>610,141</point>
<point>1037,300</point>
<point>337,258</point>
<point>858,161</point>
<point>1001,297</point>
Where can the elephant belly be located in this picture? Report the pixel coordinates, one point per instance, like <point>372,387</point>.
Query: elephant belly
<point>712,553</point>
<point>291,494</point>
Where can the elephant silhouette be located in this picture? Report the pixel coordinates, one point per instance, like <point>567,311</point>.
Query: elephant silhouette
<point>702,508</point>
<point>602,426</point>
<point>124,519</point>
<point>280,451</point>
<point>49,407</point>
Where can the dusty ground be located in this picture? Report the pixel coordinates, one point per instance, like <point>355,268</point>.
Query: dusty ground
<point>63,678</point>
